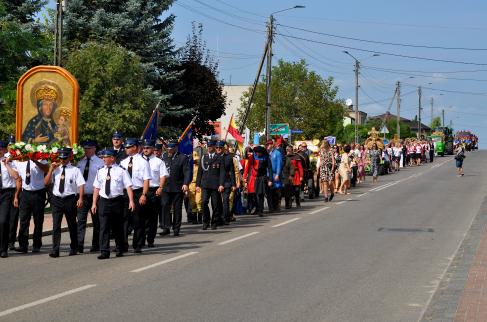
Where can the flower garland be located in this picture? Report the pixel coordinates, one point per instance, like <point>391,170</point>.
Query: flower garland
<point>22,151</point>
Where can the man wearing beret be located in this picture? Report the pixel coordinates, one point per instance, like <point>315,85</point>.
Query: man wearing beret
<point>88,166</point>
<point>68,190</point>
<point>140,172</point>
<point>210,180</point>
<point>9,191</point>
<point>176,187</point>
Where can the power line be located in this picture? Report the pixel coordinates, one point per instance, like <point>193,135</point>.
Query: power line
<point>384,53</point>
<point>385,99</point>
<point>431,72</point>
<point>383,42</point>
<point>240,9</point>
<point>423,75</point>
<point>229,13</point>
<point>449,91</point>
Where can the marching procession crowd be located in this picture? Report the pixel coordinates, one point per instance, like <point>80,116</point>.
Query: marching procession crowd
<point>138,186</point>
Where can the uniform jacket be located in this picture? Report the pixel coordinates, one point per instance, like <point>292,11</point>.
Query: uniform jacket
<point>288,171</point>
<point>179,172</point>
<point>277,164</point>
<point>120,155</point>
<point>228,169</point>
<point>211,173</point>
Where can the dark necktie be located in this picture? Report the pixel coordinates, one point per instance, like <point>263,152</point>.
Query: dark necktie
<point>63,180</point>
<point>86,171</point>
<point>107,183</point>
<point>130,167</point>
<point>27,173</point>
<point>1,181</point>
<point>148,159</point>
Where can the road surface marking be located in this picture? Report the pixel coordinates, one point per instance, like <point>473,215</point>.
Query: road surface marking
<point>286,222</point>
<point>318,210</point>
<point>383,186</point>
<point>45,300</point>
<point>163,262</point>
<point>341,202</point>
<point>362,194</point>
<point>392,184</point>
<point>349,199</point>
<point>238,238</point>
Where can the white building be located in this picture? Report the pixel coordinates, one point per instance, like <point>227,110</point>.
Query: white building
<point>234,94</point>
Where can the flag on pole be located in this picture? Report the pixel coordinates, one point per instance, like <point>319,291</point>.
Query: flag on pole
<point>186,143</point>
<point>233,131</point>
<point>150,131</point>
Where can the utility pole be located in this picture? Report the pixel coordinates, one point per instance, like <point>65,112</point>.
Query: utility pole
<point>58,32</point>
<point>443,117</point>
<point>431,103</point>
<point>357,114</point>
<point>268,77</point>
<point>398,92</point>
<point>419,112</point>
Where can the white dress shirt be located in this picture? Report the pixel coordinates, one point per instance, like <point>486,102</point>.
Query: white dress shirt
<point>95,164</point>
<point>73,179</point>
<point>7,181</point>
<point>140,170</point>
<point>158,170</point>
<point>36,175</point>
<point>119,180</point>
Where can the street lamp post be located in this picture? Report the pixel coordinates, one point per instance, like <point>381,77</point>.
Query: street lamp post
<point>270,35</point>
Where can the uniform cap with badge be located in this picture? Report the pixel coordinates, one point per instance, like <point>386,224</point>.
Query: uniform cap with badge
<point>117,135</point>
<point>148,143</point>
<point>64,153</point>
<point>129,142</point>
<point>89,144</point>
<point>171,144</point>
<point>106,153</point>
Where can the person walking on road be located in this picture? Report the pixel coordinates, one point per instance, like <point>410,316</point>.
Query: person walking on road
<point>68,189</point>
<point>375,157</point>
<point>257,177</point>
<point>230,181</point>
<point>326,171</point>
<point>459,156</point>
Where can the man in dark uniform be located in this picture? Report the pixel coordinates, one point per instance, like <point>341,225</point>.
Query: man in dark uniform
<point>176,187</point>
<point>109,185</point>
<point>68,190</point>
<point>229,183</point>
<point>118,148</point>
<point>9,191</point>
<point>210,181</point>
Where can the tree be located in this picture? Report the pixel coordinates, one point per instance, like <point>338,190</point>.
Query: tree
<point>24,43</point>
<point>435,123</point>
<point>301,98</point>
<point>113,93</point>
<point>202,92</point>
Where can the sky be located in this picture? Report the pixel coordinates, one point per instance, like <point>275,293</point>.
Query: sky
<point>454,76</point>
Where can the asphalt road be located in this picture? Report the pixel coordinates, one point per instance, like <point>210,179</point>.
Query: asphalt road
<point>375,255</point>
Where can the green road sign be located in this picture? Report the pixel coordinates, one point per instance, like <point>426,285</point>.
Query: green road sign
<point>279,129</point>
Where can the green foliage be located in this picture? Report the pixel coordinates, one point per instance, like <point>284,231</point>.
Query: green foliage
<point>202,92</point>
<point>301,98</point>
<point>435,123</point>
<point>113,92</point>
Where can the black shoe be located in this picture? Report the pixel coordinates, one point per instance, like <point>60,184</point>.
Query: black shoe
<point>81,249</point>
<point>73,252</point>
<point>105,256</point>
<point>119,254</point>
<point>165,232</point>
<point>326,199</point>
<point>94,249</point>
<point>261,214</point>
<point>21,250</point>
<point>36,250</point>
<point>150,245</point>
<point>54,254</point>
<point>176,232</point>
<point>3,255</point>
<point>11,247</point>
<point>226,222</point>
<point>331,197</point>
<point>205,226</point>
<point>138,250</point>
<point>214,226</point>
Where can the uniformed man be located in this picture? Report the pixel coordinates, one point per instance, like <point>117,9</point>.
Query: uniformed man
<point>229,183</point>
<point>177,184</point>
<point>158,150</point>
<point>140,172</point>
<point>32,202</point>
<point>68,190</point>
<point>109,185</point>
<point>117,141</point>
<point>14,212</point>
<point>156,184</point>
<point>210,181</point>
<point>9,192</point>
<point>88,166</point>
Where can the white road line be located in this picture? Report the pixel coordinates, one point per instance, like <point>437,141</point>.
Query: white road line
<point>383,186</point>
<point>238,238</point>
<point>45,300</point>
<point>362,194</point>
<point>349,199</point>
<point>341,202</point>
<point>318,210</point>
<point>138,270</point>
<point>388,186</point>
<point>286,222</point>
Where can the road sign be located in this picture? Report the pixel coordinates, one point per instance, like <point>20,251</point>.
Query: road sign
<point>384,130</point>
<point>296,131</point>
<point>279,129</point>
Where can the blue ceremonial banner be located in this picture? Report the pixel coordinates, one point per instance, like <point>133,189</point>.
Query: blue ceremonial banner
<point>150,131</point>
<point>186,144</point>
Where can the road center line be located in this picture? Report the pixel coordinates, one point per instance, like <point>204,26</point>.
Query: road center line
<point>238,238</point>
<point>138,270</point>
<point>286,222</point>
<point>388,186</point>
<point>363,194</point>
<point>45,300</point>
<point>318,210</point>
<point>341,202</point>
<point>383,186</point>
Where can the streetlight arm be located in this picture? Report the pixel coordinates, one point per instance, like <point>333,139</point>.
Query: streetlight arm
<point>295,7</point>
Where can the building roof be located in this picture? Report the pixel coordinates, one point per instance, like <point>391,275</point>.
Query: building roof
<point>412,123</point>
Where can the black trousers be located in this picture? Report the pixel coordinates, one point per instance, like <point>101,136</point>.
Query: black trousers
<point>276,198</point>
<point>110,213</point>
<point>289,192</point>
<point>172,200</point>
<point>153,208</point>
<point>136,218</point>
<point>14,224</point>
<point>216,205</point>
<point>64,206</point>
<point>31,205</point>
<point>226,211</point>
<point>6,200</point>
<point>82,214</point>
<point>258,201</point>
